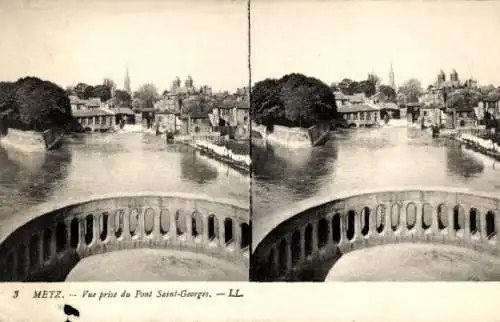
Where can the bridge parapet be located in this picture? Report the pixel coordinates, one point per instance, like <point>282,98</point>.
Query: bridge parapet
<point>305,246</point>
<point>47,244</point>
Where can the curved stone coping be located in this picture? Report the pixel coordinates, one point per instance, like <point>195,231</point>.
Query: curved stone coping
<point>264,226</point>
<point>13,222</point>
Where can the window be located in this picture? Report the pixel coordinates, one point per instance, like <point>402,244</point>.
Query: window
<point>362,116</point>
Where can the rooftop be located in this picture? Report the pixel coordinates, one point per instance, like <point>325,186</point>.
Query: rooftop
<point>363,107</point>
<point>93,112</point>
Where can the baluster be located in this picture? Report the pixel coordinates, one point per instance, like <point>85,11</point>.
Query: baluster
<point>451,222</point>
<point>222,231</point>
<point>343,228</point>
<point>289,253</point>
<point>329,231</point>
<point>419,213</point>
<point>205,237</point>
<point>96,229</point>
<point>357,226</point>
<point>81,233</point>
<point>435,219</point>
<point>236,234</point>
<point>403,213</point>
<point>189,224</point>
<point>156,233</point>
<point>67,234</point>
<point>126,223</point>
<point>172,232</point>
<point>53,242</point>
<point>302,248</point>
<point>139,230</point>
<point>467,235</point>
<point>314,239</point>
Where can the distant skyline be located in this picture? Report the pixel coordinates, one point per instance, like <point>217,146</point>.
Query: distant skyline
<point>333,40</point>
<point>68,42</point>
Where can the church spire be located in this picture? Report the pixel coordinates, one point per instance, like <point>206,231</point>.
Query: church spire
<point>127,82</point>
<point>392,82</point>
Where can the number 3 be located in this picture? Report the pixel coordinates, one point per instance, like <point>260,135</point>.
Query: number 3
<point>16,294</point>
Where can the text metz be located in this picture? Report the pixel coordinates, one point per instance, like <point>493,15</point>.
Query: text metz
<point>53,294</point>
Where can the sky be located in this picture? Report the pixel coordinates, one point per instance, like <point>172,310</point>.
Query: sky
<point>71,41</point>
<point>332,40</point>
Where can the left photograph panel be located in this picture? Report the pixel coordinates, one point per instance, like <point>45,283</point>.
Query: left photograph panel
<point>124,141</point>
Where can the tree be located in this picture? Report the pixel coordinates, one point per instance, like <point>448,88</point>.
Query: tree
<point>348,86</point>
<point>464,98</point>
<point>101,91</point>
<point>387,93</point>
<point>81,90</point>
<point>494,94</point>
<point>293,100</point>
<point>485,90</point>
<point>40,105</point>
<point>123,98</point>
<point>146,96</point>
<point>410,91</point>
<point>7,92</point>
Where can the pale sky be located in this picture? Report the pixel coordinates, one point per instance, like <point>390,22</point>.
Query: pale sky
<point>332,40</point>
<point>84,41</point>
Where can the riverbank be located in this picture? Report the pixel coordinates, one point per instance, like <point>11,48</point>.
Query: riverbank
<point>486,147</point>
<point>223,154</point>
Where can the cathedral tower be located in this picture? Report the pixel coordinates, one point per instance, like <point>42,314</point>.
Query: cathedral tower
<point>126,85</point>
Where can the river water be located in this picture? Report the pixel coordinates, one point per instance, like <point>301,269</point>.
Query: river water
<point>359,159</point>
<point>93,164</point>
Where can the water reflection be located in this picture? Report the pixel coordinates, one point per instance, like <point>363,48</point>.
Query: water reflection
<point>462,163</point>
<point>196,169</point>
<point>300,170</point>
<point>28,178</point>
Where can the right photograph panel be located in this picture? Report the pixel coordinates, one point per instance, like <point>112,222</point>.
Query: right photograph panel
<point>374,141</point>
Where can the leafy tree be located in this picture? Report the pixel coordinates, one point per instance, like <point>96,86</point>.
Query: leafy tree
<point>387,93</point>
<point>348,86</point>
<point>40,105</point>
<point>293,100</point>
<point>146,96</point>
<point>494,94</point>
<point>464,98</point>
<point>410,91</point>
<point>7,92</point>
<point>101,91</point>
<point>82,90</point>
<point>485,90</point>
<point>123,98</point>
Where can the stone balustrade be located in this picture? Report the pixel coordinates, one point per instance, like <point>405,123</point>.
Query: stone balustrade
<point>46,242</point>
<point>316,232</point>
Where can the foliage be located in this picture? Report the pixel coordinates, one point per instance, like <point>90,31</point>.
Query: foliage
<point>367,86</point>
<point>464,98</point>
<point>123,98</point>
<point>387,94</point>
<point>36,104</point>
<point>494,94</point>
<point>101,91</point>
<point>146,96</point>
<point>293,100</point>
<point>410,91</point>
